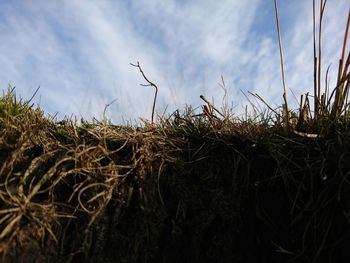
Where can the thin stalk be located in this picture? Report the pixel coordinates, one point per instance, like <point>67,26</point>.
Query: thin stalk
<point>315,58</point>
<point>319,56</point>
<point>149,84</point>
<point>344,47</point>
<point>342,74</point>
<point>282,68</point>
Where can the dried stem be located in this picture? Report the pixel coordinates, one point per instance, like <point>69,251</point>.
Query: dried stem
<point>211,105</point>
<point>150,84</point>
<point>282,68</point>
<point>342,87</point>
<point>315,58</point>
<point>344,45</point>
<point>317,98</point>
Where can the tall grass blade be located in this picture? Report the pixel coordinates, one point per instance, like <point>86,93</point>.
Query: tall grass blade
<point>282,68</point>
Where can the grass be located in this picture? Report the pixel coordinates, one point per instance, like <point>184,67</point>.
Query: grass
<point>271,186</point>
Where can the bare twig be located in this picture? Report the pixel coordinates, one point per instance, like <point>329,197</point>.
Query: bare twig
<point>149,84</point>
<point>282,68</point>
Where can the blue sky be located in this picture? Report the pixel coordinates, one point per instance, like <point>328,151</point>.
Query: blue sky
<point>78,52</point>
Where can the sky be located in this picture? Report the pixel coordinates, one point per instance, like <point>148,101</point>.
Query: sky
<point>79,53</point>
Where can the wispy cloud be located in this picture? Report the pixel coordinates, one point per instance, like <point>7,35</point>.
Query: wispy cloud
<point>79,51</point>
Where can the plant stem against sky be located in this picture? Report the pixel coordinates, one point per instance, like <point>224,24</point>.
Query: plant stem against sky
<point>79,52</point>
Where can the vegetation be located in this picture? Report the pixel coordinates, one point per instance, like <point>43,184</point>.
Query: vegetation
<point>190,187</point>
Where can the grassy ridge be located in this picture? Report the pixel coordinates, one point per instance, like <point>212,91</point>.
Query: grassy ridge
<point>186,189</point>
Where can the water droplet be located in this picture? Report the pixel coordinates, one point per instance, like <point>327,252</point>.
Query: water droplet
<point>324,177</point>
<point>256,183</point>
